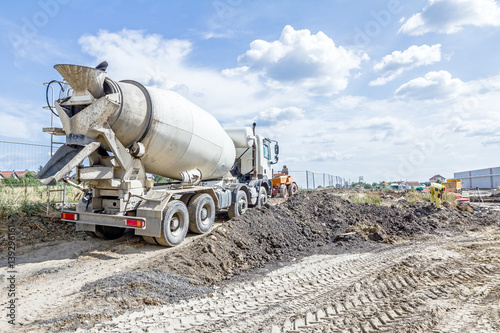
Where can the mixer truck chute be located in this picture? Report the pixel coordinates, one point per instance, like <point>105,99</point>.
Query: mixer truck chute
<point>118,133</point>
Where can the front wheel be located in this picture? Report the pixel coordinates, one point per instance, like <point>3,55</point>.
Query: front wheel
<point>292,189</point>
<point>240,206</point>
<point>175,224</point>
<point>262,200</point>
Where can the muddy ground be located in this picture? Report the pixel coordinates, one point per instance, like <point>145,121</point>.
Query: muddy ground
<point>79,283</point>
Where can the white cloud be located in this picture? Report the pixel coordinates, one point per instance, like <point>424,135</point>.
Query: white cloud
<point>330,156</point>
<point>278,116</point>
<point>138,56</point>
<point>491,141</point>
<point>434,85</point>
<point>156,61</point>
<point>300,59</point>
<point>336,136</point>
<point>394,64</point>
<point>449,16</point>
<point>18,122</point>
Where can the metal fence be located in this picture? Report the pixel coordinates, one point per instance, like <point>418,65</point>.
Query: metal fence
<point>20,156</point>
<point>312,180</point>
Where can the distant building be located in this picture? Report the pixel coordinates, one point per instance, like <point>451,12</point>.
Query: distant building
<point>413,184</point>
<point>21,174</point>
<point>483,178</point>
<point>435,178</point>
<point>8,174</point>
<point>401,185</point>
<point>13,174</point>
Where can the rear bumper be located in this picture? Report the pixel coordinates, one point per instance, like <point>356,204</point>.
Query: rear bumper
<point>87,221</point>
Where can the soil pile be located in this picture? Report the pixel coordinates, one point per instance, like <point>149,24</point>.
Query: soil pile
<point>151,287</point>
<point>310,222</point>
<point>32,230</point>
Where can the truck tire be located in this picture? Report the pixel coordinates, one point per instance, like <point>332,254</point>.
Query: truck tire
<point>292,189</point>
<point>107,232</point>
<point>262,200</point>
<point>240,206</point>
<point>91,234</point>
<point>150,240</point>
<point>175,224</point>
<point>201,210</point>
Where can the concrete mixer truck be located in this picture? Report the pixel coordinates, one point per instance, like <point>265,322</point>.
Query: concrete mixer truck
<point>120,133</point>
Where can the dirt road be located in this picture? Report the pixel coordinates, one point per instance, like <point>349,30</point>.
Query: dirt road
<point>451,285</point>
<point>414,269</point>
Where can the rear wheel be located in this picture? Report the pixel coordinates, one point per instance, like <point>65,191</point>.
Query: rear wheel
<point>175,224</point>
<point>292,189</point>
<point>240,206</point>
<point>107,232</point>
<point>91,234</point>
<point>201,210</point>
<point>150,240</point>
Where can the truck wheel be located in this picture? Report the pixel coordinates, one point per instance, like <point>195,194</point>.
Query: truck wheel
<point>292,189</point>
<point>150,240</point>
<point>91,234</point>
<point>240,206</point>
<point>201,213</point>
<point>175,224</point>
<point>107,232</point>
<point>262,200</point>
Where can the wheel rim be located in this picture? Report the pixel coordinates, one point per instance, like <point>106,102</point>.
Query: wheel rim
<point>175,225</point>
<point>205,214</point>
<point>242,206</point>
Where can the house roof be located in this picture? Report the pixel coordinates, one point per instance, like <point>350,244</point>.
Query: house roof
<point>416,184</point>
<point>7,174</point>
<point>13,174</point>
<point>437,176</point>
<point>21,173</point>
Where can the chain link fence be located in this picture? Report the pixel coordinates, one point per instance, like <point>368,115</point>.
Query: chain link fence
<point>19,188</point>
<point>20,161</point>
<point>20,156</point>
<point>311,180</point>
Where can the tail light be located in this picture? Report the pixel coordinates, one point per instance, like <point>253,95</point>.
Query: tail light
<point>69,216</point>
<point>135,223</point>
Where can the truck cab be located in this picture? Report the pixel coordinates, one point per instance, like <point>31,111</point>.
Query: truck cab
<point>256,162</point>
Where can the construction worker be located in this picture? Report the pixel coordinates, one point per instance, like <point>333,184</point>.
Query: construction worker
<point>437,191</point>
<point>285,170</point>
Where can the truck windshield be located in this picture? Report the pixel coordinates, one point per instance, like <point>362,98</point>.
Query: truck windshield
<point>267,150</point>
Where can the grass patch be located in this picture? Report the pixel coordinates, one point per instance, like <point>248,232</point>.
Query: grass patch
<point>31,200</point>
<point>361,198</point>
<point>414,197</point>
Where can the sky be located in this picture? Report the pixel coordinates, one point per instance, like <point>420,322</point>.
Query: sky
<point>387,90</point>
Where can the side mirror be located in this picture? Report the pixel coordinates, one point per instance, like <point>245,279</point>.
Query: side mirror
<point>276,149</point>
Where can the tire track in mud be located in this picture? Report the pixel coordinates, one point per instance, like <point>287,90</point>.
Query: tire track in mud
<point>422,288</point>
<point>263,300</point>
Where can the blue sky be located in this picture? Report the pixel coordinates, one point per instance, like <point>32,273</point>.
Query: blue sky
<point>380,89</point>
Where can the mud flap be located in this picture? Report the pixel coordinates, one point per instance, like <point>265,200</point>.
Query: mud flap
<point>64,160</point>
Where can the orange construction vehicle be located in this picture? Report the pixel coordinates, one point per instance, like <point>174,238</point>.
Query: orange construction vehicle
<point>283,184</point>
<point>453,185</point>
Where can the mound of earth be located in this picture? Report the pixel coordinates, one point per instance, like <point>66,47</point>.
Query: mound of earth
<point>150,287</point>
<point>310,222</point>
<point>32,230</point>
